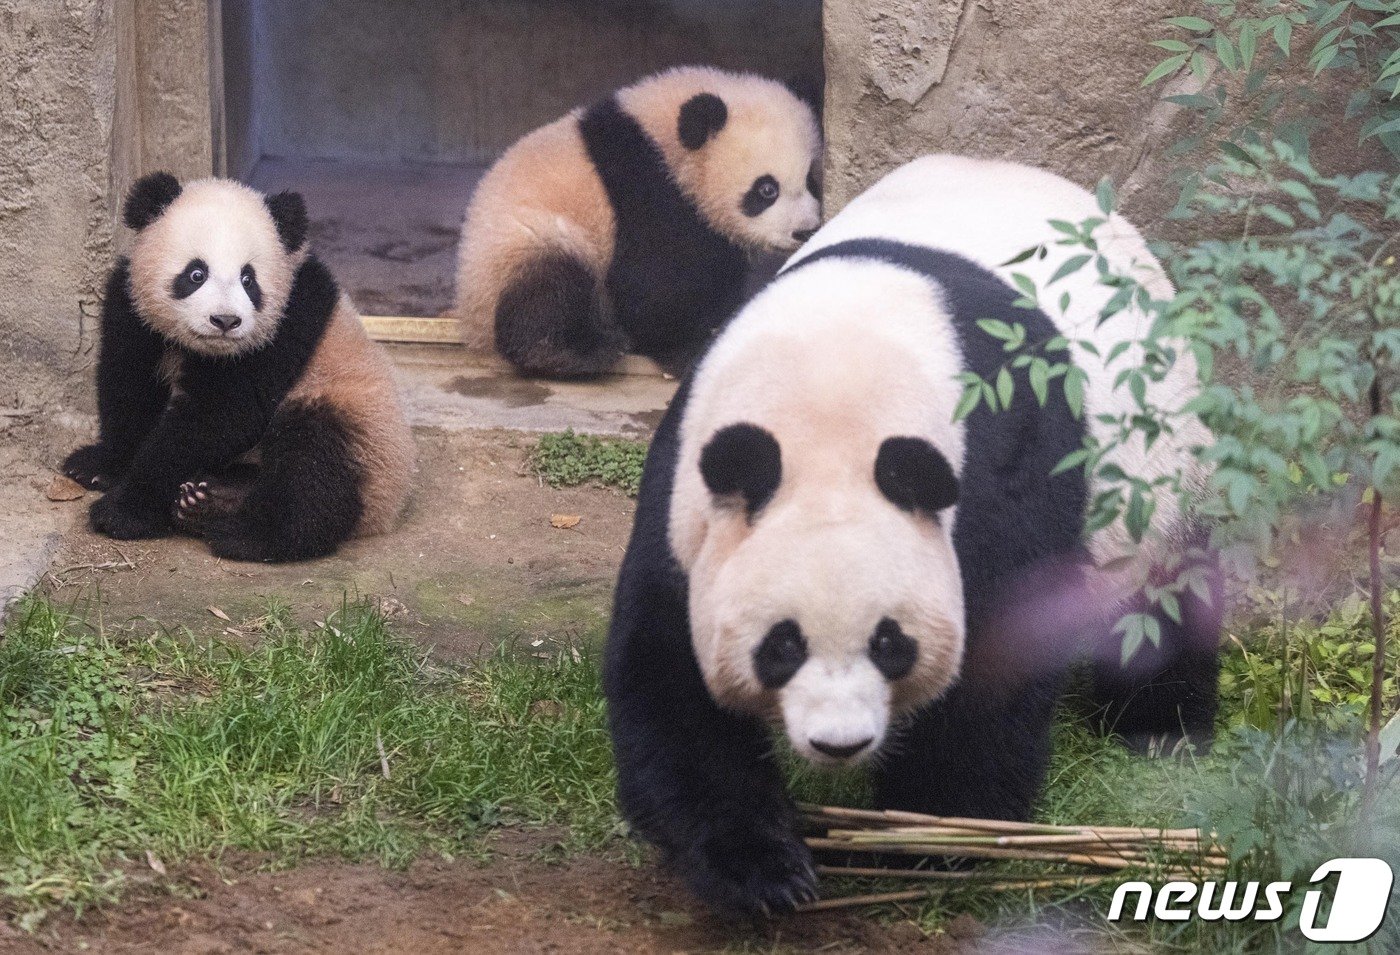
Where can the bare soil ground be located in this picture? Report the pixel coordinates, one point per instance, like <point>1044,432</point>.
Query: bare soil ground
<point>515,902</point>
<point>475,562</point>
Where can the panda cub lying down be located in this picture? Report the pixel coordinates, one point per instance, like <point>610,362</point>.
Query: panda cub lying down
<point>819,543</point>
<point>239,399</point>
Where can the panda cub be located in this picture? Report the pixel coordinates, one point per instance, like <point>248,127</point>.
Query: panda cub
<point>819,544</point>
<point>628,226</point>
<point>239,398</point>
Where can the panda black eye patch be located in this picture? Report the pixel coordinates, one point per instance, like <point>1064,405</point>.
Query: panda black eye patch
<point>915,476</point>
<point>762,194</point>
<point>249,279</point>
<point>780,655</point>
<point>892,650</point>
<point>743,459</point>
<point>195,274</point>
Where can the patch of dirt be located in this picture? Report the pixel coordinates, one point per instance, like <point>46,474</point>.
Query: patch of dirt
<point>476,561</point>
<point>517,902</point>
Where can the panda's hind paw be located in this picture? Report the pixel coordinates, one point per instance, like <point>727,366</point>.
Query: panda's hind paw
<point>200,504</point>
<point>751,870</point>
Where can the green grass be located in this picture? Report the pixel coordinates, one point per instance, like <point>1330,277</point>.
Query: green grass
<point>567,459</point>
<point>119,742</point>
<point>115,742</point>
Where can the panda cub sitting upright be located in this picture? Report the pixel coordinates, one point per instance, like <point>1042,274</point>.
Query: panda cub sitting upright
<point>818,542</point>
<point>628,226</point>
<point>239,398</point>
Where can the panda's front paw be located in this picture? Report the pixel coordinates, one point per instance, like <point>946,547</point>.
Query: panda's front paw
<point>122,519</point>
<point>750,868</point>
<point>92,467</point>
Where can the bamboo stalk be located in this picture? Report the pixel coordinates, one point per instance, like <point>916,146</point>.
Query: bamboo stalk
<point>900,819</point>
<point>976,852</point>
<point>916,895</point>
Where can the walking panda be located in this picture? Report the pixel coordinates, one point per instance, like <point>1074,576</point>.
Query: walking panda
<point>818,543</point>
<point>629,225</point>
<point>239,399</point>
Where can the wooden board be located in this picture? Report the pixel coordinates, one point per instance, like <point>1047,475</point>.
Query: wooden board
<point>405,328</point>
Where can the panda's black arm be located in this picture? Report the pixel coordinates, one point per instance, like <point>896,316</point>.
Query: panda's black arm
<point>699,782</point>
<point>195,434</point>
<point>130,391</point>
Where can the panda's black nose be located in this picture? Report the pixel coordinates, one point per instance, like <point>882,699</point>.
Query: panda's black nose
<point>225,323</point>
<point>837,751</point>
<point>802,235</point>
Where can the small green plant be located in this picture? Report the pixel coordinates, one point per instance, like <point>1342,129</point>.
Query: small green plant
<point>1282,665</point>
<point>568,459</point>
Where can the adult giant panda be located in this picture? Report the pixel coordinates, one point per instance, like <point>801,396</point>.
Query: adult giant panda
<point>629,225</point>
<point>819,543</point>
<point>239,398</point>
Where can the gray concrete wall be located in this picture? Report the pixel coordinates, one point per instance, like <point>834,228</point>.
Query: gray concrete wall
<point>450,81</point>
<point>1053,82</point>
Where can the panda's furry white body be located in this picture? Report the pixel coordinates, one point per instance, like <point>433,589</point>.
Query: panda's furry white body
<point>994,210</point>
<point>819,543</point>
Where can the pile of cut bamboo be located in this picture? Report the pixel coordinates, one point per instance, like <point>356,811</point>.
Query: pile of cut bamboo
<point>1095,853</point>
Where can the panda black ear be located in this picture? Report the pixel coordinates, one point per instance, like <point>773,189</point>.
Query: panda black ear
<point>701,117</point>
<point>915,476</point>
<point>743,459</point>
<point>148,199</point>
<point>289,212</point>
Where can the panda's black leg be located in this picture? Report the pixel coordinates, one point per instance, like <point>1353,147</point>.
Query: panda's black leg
<point>1167,693</point>
<point>979,751</point>
<point>698,782</point>
<point>551,320</point>
<point>306,499</point>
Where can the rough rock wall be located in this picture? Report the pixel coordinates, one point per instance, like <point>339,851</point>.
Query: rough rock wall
<point>1053,82</point>
<point>57,93</point>
<point>93,93</point>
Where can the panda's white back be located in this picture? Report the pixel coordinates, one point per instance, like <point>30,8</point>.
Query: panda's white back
<point>990,211</point>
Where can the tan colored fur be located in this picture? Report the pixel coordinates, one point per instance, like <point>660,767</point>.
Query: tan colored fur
<point>542,194</point>
<point>352,374</point>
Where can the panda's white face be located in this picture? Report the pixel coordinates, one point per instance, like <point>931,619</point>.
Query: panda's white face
<point>813,509</point>
<point>211,273</point>
<point>744,148</point>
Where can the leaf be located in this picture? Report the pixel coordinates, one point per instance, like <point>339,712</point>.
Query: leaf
<point>564,521</point>
<point>154,862</point>
<point>1104,194</point>
<point>971,396</point>
<point>219,613</point>
<point>1168,66</point>
<point>1194,24</point>
<point>1283,35</point>
<point>64,488</point>
<point>1040,380</point>
<point>1068,267</point>
<point>1005,387</point>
